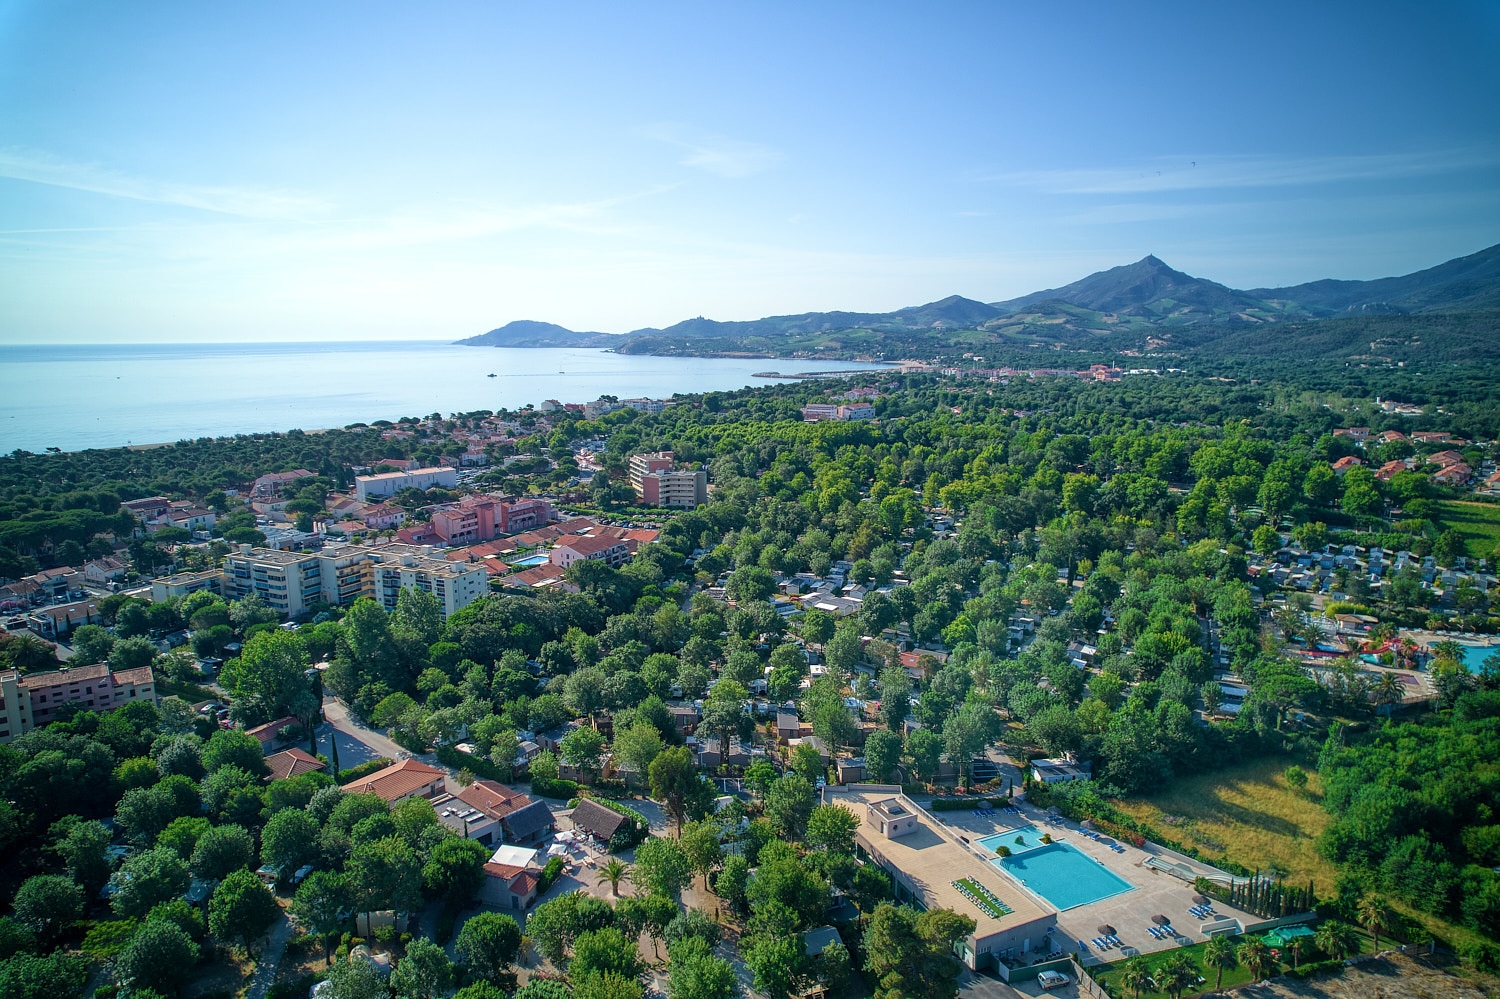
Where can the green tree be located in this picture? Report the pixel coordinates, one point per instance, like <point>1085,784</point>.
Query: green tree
<point>488,944</point>
<point>268,675</point>
<point>583,748</point>
<point>696,973</point>
<point>662,867</point>
<point>882,753</point>
<point>676,783</point>
<point>604,951</point>
<point>1176,975</point>
<point>81,844</point>
<point>1218,954</point>
<point>924,748</point>
<point>54,976</point>
<point>289,840</point>
<point>234,748</point>
<point>1374,915</point>
<point>455,869</point>
<point>160,958</point>
<point>356,980</point>
<point>423,973</point>
<point>1256,957</point>
<point>1136,976</point>
<point>832,828</point>
<point>48,903</point>
<point>910,954</point>
<point>788,804</point>
<point>700,842</point>
<point>241,908</point>
<point>733,880</point>
<point>636,747</point>
<point>146,879</point>
<point>320,900</point>
<point>387,874</point>
<point>222,850</point>
<point>1335,939</point>
<point>613,872</point>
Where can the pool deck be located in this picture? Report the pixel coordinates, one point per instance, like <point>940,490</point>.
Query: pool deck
<point>1129,912</point>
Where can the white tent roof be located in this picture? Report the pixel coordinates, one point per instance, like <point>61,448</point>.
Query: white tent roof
<point>514,856</point>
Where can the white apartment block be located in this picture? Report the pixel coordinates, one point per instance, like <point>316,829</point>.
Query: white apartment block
<point>292,582</point>
<point>390,483</point>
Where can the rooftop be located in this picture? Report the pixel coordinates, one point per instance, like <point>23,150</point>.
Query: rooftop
<point>932,858</point>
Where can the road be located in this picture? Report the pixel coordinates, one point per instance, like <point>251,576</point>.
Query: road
<point>270,959</point>
<point>375,743</point>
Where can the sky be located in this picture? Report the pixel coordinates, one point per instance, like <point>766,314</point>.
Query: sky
<point>292,171</point>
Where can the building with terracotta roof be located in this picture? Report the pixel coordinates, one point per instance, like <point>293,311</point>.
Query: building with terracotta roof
<point>268,735</point>
<point>290,763</point>
<point>488,812</point>
<point>511,878</point>
<point>610,551</point>
<point>32,700</point>
<point>1344,464</point>
<point>407,779</point>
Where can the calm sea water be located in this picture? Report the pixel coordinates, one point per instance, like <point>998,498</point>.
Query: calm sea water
<point>81,396</point>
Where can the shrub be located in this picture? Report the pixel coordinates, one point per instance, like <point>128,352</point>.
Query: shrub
<point>363,770</point>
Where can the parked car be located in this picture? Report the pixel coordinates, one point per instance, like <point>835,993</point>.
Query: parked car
<point>1052,979</point>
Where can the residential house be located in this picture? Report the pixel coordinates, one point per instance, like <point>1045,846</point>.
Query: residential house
<point>268,735</point>
<point>60,620</point>
<point>292,762</point>
<point>106,570</point>
<point>511,879</point>
<point>399,781</point>
<point>576,549</point>
<point>488,812</point>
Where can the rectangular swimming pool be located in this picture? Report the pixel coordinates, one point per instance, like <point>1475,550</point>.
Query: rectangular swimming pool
<point>1014,840</point>
<point>1063,875</point>
<point>530,560</point>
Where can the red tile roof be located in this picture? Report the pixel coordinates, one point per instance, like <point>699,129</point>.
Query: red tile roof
<point>291,763</point>
<point>397,781</point>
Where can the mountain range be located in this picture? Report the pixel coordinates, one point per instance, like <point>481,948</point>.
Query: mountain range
<point>1144,301</point>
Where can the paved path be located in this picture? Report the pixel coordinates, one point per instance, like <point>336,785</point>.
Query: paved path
<point>338,716</point>
<point>270,959</point>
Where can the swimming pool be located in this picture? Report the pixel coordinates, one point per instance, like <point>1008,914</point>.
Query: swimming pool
<point>1063,875</point>
<point>1475,655</point>
<point>1015,840</point>
<point>530,560</point>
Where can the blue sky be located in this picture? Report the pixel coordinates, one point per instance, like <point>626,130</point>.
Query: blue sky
<point>322,171</point>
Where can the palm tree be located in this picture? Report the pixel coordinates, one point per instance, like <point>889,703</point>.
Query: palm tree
<point>1295,949</point>
<point>1388,693</point>
<point>1255,955</point>
<point>1219,955</point>
<point>1176,975</point>
<point>1374,916</point>
<point>1335,939</point>
<point>614,872</point>
<point>1136,976</point>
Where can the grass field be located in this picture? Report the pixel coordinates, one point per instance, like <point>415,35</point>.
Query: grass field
<point>1479,523</point>
<point>1108,975</point>
<point>1248,814</point>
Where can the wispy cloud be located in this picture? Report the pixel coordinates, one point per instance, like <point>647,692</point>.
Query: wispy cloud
<point>1210,173</point>
<point>248,202</point>
<point>717,154</point>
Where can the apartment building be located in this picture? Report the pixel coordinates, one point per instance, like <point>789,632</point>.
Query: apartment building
<point>32,700</point>
<point>292,582</point>
<point>391,483</point>
<point>164,588</point>
<point>657,483</point>
<point>611,551</point>
<point>483,518</point>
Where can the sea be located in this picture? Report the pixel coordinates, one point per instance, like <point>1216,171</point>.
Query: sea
<point>79,396</point>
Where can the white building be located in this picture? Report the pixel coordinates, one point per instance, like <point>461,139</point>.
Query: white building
<point>390,483</point>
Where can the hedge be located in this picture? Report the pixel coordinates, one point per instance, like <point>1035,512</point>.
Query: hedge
<point>363,770</point>
<point>958,804</point>
<point>554,788</point>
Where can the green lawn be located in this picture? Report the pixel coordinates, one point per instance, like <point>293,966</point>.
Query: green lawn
<point>1108,975</point>
<point>1479,523</point>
